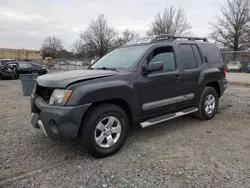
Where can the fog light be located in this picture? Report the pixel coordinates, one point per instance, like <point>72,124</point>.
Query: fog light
<point>53,126</point>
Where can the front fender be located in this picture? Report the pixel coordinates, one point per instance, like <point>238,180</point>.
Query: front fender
<point>105,90</point>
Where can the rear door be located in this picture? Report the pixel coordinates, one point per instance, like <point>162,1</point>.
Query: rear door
<point>192,62</point>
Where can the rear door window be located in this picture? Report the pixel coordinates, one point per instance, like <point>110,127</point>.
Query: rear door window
<point>187,56</point>
<point>24,65</point>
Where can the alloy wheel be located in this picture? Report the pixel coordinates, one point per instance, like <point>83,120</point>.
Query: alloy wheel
<point>108,131</point>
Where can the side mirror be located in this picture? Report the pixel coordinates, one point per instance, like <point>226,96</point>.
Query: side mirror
<point>155,66</point>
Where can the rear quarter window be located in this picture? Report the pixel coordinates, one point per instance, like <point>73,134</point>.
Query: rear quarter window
<point>212,53</point>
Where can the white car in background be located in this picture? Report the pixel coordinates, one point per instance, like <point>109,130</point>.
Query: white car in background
<point>234,66</point>
<point>72,62</point>
<point>79,63</point>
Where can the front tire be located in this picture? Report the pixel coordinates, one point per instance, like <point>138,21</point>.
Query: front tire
<point>14,76</point>
<point>208,104</point>
<point>104,130</point>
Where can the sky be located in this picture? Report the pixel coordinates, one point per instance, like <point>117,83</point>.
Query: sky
<point>26,23</point>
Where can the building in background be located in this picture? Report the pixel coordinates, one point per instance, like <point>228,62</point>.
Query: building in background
<point>6,53</point>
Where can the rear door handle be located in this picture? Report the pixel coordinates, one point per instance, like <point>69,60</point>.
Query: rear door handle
<point>177,77</point>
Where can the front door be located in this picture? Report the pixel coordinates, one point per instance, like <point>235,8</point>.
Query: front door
<point>159,91</point>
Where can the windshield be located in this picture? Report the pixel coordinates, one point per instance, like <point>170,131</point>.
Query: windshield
<point>234,63</point>
<point>121,57</point>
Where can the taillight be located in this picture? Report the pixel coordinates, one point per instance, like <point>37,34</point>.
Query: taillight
<point>225,71</point>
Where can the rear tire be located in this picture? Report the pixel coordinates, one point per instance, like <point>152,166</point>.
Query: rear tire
<point>208,104</point>
<point>104,130</point>
<point>35,72</point>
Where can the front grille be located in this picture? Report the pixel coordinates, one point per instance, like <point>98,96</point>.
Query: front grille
<point>44,92</point>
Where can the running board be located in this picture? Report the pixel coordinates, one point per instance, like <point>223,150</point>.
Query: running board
<point>167,117</point>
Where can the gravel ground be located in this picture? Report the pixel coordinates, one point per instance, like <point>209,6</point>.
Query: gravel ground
<point>184,152</point>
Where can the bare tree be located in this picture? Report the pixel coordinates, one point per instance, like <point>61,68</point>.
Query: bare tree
<point>125,36</point>
<point>99,36</point>
<point>65,54</point>
<point>78,48</point>
<point>246,39</point>
<point>232,28</point>
<point>171,21</point>
<point>51,46</point>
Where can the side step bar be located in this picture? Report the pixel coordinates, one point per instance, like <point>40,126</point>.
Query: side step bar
<point>167,117</point>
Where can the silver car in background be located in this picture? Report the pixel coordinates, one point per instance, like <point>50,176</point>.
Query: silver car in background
<point>234,66</point>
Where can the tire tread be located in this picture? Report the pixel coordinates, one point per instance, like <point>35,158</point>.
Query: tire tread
<point>89,122</point>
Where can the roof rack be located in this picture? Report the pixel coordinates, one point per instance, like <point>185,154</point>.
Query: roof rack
<point>158,38</point>
<point>173,38</point>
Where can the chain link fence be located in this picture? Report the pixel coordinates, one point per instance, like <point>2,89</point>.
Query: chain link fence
<point>82,63</point>
<point>67,64</point>
<point>241,56</point>
<point>71,64</point>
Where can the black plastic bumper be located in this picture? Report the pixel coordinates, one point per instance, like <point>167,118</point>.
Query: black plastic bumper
<point>223,85</point>
<point>57,122</point>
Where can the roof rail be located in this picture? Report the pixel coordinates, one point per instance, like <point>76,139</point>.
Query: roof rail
<point>158,38</point>
<point>173,38</point>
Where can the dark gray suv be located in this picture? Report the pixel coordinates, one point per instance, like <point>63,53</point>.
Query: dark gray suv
<point>145,82</point>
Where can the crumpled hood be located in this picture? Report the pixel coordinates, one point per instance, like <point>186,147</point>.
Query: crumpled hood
<point>63,79</point>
